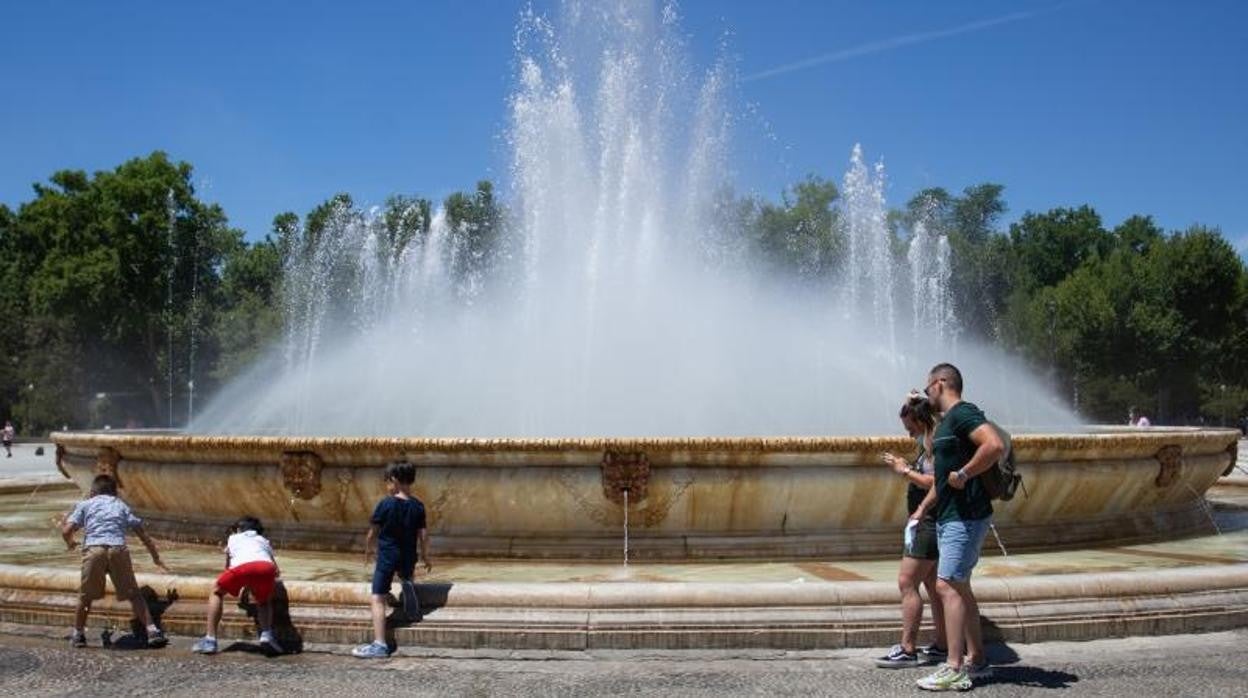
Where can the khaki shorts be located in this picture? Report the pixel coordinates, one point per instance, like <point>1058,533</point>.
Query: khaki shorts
<point>113,560</point>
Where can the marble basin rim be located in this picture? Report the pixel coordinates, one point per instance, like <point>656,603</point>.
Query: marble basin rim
<point>688,498</point>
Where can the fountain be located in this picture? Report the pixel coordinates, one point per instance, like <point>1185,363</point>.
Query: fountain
<point>610,364</point>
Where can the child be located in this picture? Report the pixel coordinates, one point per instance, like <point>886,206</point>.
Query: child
<point>104,519</point>
<point>398,523</point>
<point>249,564</point>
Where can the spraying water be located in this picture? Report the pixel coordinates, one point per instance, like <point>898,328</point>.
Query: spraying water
<point>611,295</point>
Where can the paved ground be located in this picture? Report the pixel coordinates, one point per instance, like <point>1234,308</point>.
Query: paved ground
<point>24,465</point>
<point>1187,665</point>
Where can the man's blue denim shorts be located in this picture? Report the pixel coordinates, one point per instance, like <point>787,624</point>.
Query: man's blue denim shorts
<point>959,543</point>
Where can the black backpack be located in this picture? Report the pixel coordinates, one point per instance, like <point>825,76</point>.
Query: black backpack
<point>1002,480</point>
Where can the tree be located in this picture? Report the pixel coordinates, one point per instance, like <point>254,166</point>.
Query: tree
<point>1051,246</point>
<point>117,261</point>
<point>801,236</point>
<point>476,223</point>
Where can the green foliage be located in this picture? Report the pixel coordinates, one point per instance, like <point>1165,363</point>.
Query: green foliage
<point>801,235</point>
<point>475,221</point>
<point>98,269</point>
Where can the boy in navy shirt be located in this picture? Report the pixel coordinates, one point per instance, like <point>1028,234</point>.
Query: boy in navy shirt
<point>398,524</point>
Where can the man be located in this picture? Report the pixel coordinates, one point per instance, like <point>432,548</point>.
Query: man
<point>963,447</point>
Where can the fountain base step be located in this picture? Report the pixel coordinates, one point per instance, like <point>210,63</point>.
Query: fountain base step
<point>678,615</point>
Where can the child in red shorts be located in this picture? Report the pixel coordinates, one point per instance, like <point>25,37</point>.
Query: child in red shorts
<point>249,564</point>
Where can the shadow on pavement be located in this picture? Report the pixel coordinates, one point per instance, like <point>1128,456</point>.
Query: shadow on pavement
<point>1029,677</point>
<point>284,630</point>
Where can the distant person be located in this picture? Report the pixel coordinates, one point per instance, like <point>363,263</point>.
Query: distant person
<point>963,446</point>
<point>1136,418</point>
<point>6,436</point>
<point>397,527</point>
<point>249,564</point>
<point>104,520</point>
<point>920,552</point>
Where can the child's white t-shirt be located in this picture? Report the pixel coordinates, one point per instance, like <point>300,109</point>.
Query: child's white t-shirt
<point>248,546</point>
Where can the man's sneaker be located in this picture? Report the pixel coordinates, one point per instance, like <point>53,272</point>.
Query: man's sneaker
<point>978,671</point>
<point>77,639</point>
<point>932,654</point>
<point>371,651</point>
<point>205,645</point>
<point>946,678</point>
<point>897,658</point>
<point>267,639</point>
<point>411,602</point>
<point>156,639</point>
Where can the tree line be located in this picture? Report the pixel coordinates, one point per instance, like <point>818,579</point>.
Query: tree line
<point>125,299</point>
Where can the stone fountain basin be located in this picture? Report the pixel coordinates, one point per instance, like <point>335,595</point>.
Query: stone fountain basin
<point>688,498</point>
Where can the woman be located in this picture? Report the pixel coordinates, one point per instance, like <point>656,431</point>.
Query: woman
<point>918,562</point>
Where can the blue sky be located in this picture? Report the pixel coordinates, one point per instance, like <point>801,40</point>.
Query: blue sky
<point>1131,106</point>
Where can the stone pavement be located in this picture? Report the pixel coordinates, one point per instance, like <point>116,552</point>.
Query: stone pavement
<point>25,466</point>
<point>1186,665</point>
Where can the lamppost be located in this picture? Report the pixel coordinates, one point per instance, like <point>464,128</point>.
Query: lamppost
<point>30,395</point>
<point>1222,404</point>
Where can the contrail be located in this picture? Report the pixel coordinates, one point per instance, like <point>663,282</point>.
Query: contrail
<point>886,45</point>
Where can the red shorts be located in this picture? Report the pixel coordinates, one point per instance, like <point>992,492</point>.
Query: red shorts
<point>257,576</point>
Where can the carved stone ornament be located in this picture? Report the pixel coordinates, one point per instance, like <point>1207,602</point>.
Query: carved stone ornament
<point>106,462</point>
<point>1171,460</point>
<point>625,471</point>
<point>301,473</point>
<point>1233,451</point>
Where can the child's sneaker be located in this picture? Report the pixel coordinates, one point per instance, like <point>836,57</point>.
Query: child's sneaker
<point>156,639</point>
<point>371,651</point>
<point>411,602</point>
<point>267,639</point>
<point>897,658</point>
<point>205,645</point>
<point>946,678</point>
<point>933,655</point>
<point>77,639</point>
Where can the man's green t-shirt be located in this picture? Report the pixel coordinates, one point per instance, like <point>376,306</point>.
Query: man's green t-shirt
<point>952,448</point>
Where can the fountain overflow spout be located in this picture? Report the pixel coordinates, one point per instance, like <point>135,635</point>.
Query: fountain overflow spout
<point>625,476</point>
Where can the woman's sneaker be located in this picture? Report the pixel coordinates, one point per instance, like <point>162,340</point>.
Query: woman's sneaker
<point>77,639</point>
<point>411,602</point>
<point>371,651</point>
<point>897,658</point>
<point>946,678</point>
<point>932,655</point>
<point>205,645</point>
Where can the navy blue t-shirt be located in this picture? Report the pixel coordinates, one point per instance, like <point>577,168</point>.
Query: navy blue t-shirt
<point>398,521</point>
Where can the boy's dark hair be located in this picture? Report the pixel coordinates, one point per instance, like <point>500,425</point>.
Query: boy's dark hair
<point>950,375</point>
<point>920,410</point>
<point>104,484</point>
<point>249,523</point>
<point>401,472</point>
